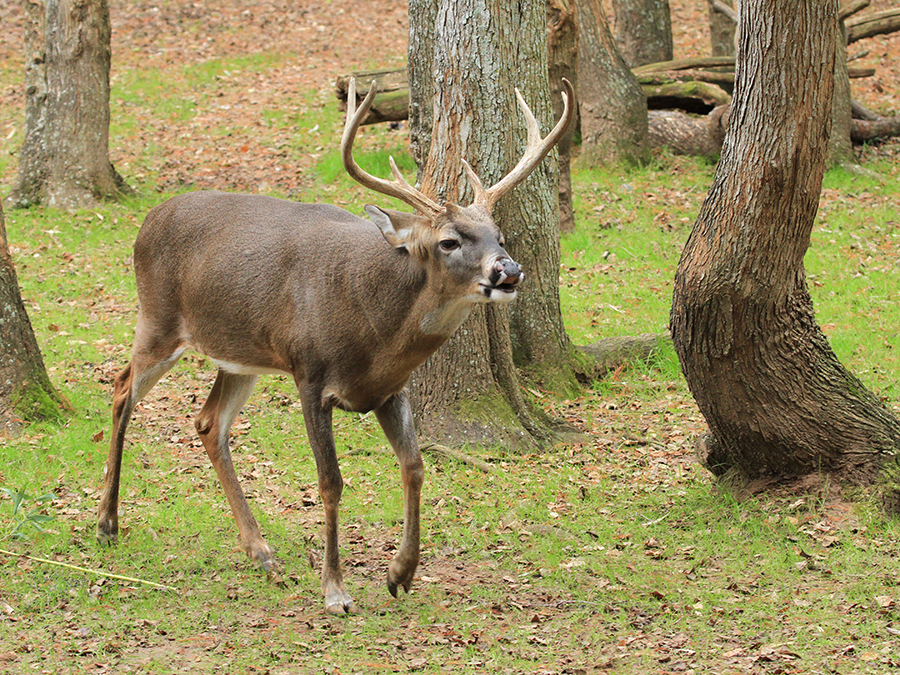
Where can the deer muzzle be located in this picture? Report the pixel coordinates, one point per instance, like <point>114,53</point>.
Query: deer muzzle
<point>505,277</point>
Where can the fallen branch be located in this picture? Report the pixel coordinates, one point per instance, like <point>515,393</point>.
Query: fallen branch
<point>612,352</point>
<point>450,453</point>
<point>722,8</point>
<point>869,130</point>
<point>852,8</point>
<point>99,573</point>
<point>876,23</point>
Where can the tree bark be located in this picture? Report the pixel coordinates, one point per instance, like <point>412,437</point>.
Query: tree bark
<point>461,75</point>
<point>643,32</point>
<point>64,159</point>
<point>777,400</point>
<point>840,147</point>
<point>25,389</point>
<point>562,56</point>
<point>722,29</point>
<point>612,104</point>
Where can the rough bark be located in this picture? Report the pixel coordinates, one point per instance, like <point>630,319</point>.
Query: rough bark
<point>461,75</point>
<point>777,400</point>
<point>643,31</point>
<point>64,159</point>
<point>612,105</point>
<point>25,389</point>
<point>562,57</point>
<point>721,28</point>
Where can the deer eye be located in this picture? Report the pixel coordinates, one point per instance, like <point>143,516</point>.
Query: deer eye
<point>449,244</point>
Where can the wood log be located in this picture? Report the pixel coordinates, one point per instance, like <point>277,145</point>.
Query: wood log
<point>852,8</point>
<point>869,130</point>
<point>614,352</point>
<point>689,134</point>
<point>690,96</point>
<point>876,23</point>
<point>685,84</point>
<point>391,103</point>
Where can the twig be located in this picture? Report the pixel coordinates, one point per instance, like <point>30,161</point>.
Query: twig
<point>100,573</point>
<point>458,456</point>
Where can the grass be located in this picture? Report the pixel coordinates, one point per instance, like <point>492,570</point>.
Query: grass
<point>614,554</point>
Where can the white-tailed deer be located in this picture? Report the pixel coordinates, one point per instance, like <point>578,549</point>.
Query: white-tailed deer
<point>347,307</point>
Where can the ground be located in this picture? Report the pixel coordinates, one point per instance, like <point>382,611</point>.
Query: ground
<point>329,39</point>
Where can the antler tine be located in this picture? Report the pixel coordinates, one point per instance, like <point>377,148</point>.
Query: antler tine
<point>399,187</point>
<point>537,148</point>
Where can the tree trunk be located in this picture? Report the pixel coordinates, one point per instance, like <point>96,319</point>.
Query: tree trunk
<point>777,400</point>
<point>64,159</point>
<point>461,76</point>
<point>840,147</point>
<point>721,29</point>
<point>25,389</point>
<point>562,56</point>
<point>612,104</point>
<point>643,31</point>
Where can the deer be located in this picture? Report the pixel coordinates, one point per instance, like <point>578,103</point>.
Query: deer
<point>345,305</point>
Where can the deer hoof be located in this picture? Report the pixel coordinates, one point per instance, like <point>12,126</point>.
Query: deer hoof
<point>339,603</point>
<point>393,585</point>
<point>107,535</point>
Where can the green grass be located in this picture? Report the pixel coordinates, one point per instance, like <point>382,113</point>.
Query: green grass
<point>615,553</point>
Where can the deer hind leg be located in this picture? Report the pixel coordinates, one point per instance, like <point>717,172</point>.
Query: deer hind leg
<point>395,417</point>
<point>318,428</point>
<point>130,386</point>
<point>229,394</point>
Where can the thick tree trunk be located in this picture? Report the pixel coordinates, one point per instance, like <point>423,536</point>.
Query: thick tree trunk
<point>777,400</point>
<point>464,58</point>
<point>643,31</point>
<point>64,159</point>
<point>25,389</point>
<point>562,56</point>
<point>612,104</point>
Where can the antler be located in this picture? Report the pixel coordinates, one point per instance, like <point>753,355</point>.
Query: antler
<point>398,187</point>
<point>536,151</point>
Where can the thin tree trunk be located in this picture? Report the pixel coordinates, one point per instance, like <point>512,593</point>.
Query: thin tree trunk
<point>643,31</point>
<point>722,28</point>
<point>25,389</point>
<point>840,146</point>
<point>464,58</point>
<point>64,159</point>
<point>562,53</point>
<point>777,400</point>
<point>612,105</point>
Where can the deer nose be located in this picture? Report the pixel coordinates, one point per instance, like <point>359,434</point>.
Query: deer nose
<point>507,272</point>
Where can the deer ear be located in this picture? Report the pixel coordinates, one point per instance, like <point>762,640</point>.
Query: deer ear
<point>402,230</point>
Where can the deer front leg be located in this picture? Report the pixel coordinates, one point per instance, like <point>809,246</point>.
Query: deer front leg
<point>318,428</point>
<point>395,417</point>
<point>228,395</point>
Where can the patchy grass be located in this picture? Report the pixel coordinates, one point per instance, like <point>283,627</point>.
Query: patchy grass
<point>615,553</point>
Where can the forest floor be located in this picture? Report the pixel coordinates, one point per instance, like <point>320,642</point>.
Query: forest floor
<point>330,39</point>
